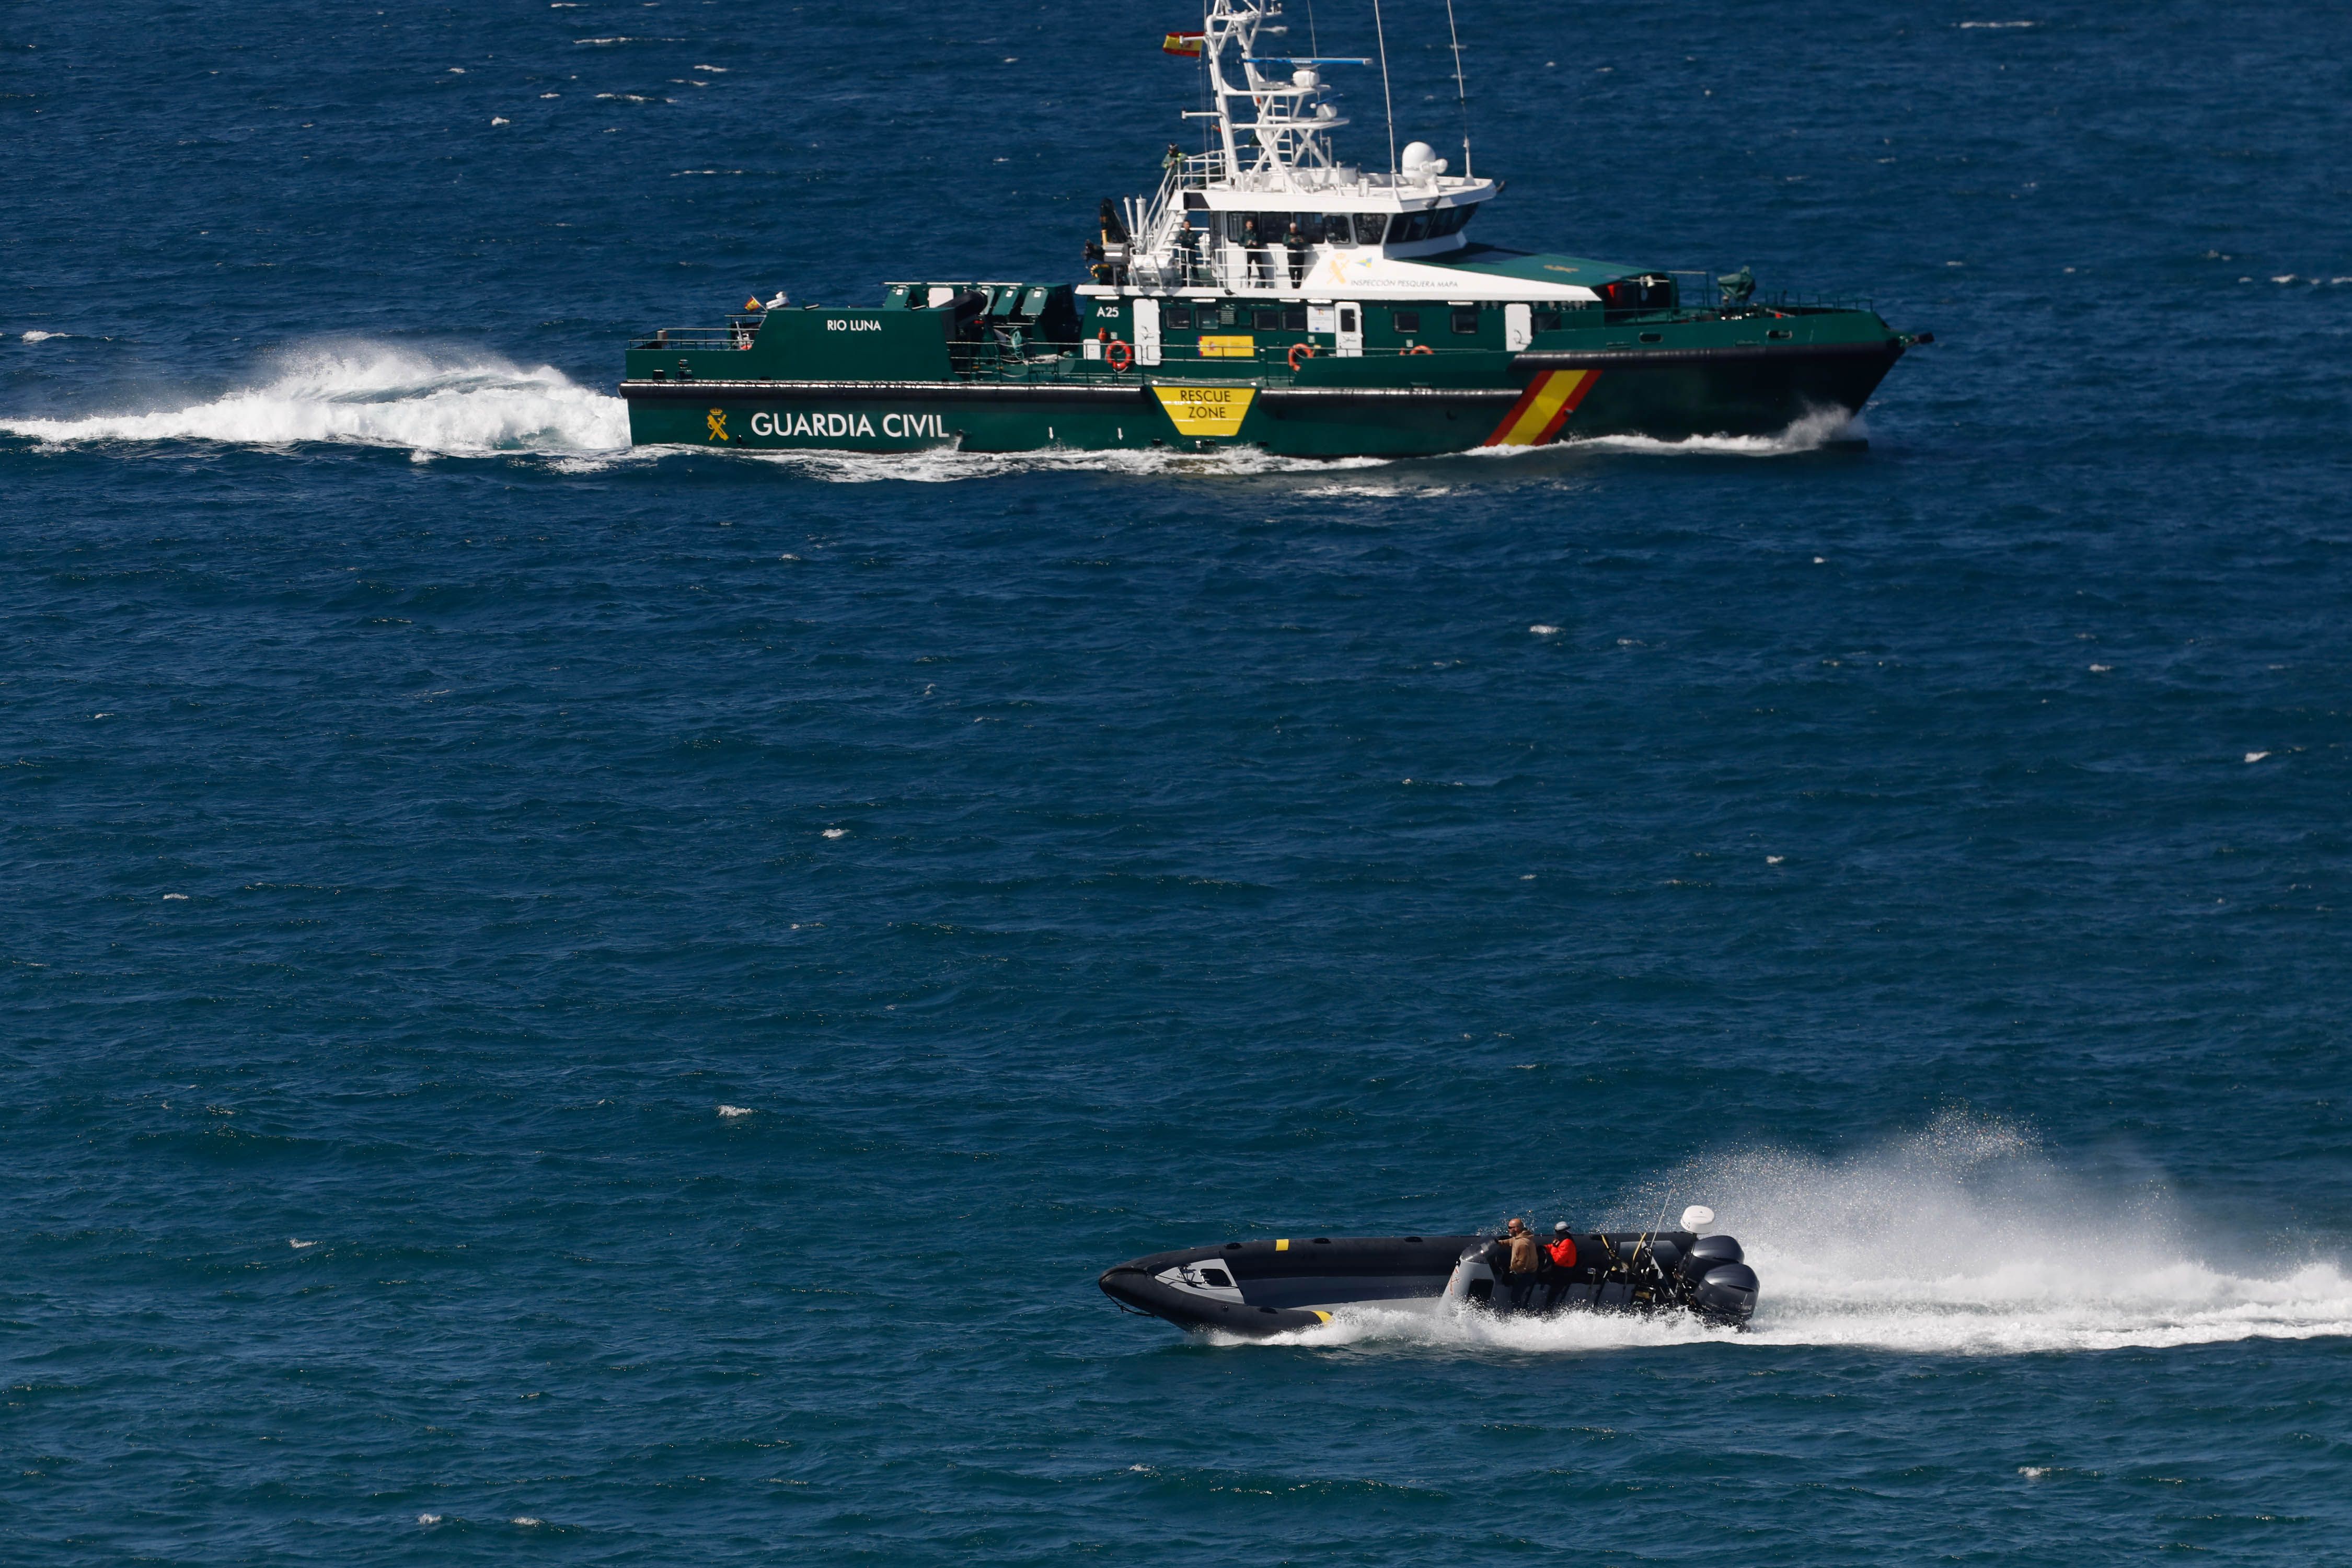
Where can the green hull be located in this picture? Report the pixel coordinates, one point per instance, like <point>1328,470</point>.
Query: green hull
<point>1059,375</point>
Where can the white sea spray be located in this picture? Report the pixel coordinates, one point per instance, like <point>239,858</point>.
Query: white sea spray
<point>374,395</point>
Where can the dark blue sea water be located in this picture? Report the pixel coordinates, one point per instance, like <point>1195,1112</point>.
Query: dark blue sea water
<point>608,1007</point>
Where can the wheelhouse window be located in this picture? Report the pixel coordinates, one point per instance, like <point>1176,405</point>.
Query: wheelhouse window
<point>1546,320</point>
<point>1259,230</point>
<point>1653,292</point>
<point>1406,228</point>
<point>1465,320</point>
<point>1406,321</point>
<point>1176,316</point>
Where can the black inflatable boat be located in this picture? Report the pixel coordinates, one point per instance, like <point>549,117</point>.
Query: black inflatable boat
<point>1256,1289</point>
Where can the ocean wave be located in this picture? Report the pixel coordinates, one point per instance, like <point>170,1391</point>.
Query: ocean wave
<point>376,395</point>
<point>1964,1239</point>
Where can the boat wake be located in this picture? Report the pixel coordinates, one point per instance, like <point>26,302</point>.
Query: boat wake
<point>477,405</point>
<point>1824,427</point>
<point>1963,1240</point>
<point>947,466</point>
<point>373,394</point>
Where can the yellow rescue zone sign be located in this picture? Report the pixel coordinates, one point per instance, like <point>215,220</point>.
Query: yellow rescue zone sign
<point>1206,410</point>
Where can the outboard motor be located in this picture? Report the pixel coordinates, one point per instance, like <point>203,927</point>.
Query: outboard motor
<point>1717,1282</point>
<point>1726,1295</point>
<point>1708,1252</point>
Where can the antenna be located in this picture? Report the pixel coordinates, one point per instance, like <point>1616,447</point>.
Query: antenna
<point>1386,100</point>
<point>1314,45</point>
<point>1461,89</point>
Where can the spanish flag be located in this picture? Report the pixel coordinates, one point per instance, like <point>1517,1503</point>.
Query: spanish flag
<point>1182,44</point>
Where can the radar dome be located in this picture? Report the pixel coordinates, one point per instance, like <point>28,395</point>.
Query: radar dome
<point>1417,155</point>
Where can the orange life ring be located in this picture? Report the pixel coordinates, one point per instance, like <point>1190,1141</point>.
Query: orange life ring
<point>1421,349</point>
<point>1299,352</point>
<point>1119,355</point>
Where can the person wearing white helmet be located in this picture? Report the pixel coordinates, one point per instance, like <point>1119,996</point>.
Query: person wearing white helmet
<point>1559,1257</point>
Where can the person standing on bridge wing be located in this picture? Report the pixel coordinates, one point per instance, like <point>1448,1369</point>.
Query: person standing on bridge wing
<point>1527,1261</point>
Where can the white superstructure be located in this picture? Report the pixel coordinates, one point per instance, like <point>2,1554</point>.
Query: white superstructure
<point>1271,211</point>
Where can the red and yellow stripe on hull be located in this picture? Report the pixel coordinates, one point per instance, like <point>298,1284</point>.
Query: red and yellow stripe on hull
<point>1543,409</point>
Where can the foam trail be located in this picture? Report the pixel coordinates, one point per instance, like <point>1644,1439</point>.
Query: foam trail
<point>947,465</point>
<point>1810,434</point>
<point>1963,1240</point>
<point>376,395</point>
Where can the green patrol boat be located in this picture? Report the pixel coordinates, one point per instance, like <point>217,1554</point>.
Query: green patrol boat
<point>1271,296</point>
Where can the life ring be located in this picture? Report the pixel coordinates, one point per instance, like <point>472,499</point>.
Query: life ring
<point>1119,355</point>
<point>1421,349</point>
<point>1300,352</point>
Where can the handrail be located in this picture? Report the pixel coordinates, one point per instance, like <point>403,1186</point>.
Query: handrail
<point>737,333</point>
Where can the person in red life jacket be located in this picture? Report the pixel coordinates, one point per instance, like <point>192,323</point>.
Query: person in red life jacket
<point>1559,1257</point>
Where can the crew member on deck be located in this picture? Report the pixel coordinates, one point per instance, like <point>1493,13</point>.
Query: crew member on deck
<point>1255,243</point>
<point>1561,1255</point>
<point>1525,1260</point>
<point>1114,233</point>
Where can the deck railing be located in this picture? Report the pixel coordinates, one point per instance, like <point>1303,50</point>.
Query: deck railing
<point>734,335</point>
<point>1232,269</point>
<point>1269,365</point>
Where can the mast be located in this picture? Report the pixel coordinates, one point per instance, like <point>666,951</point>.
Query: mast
<point>1273,123</point>
<point>1461,88</point>
<point>1270,147</point>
